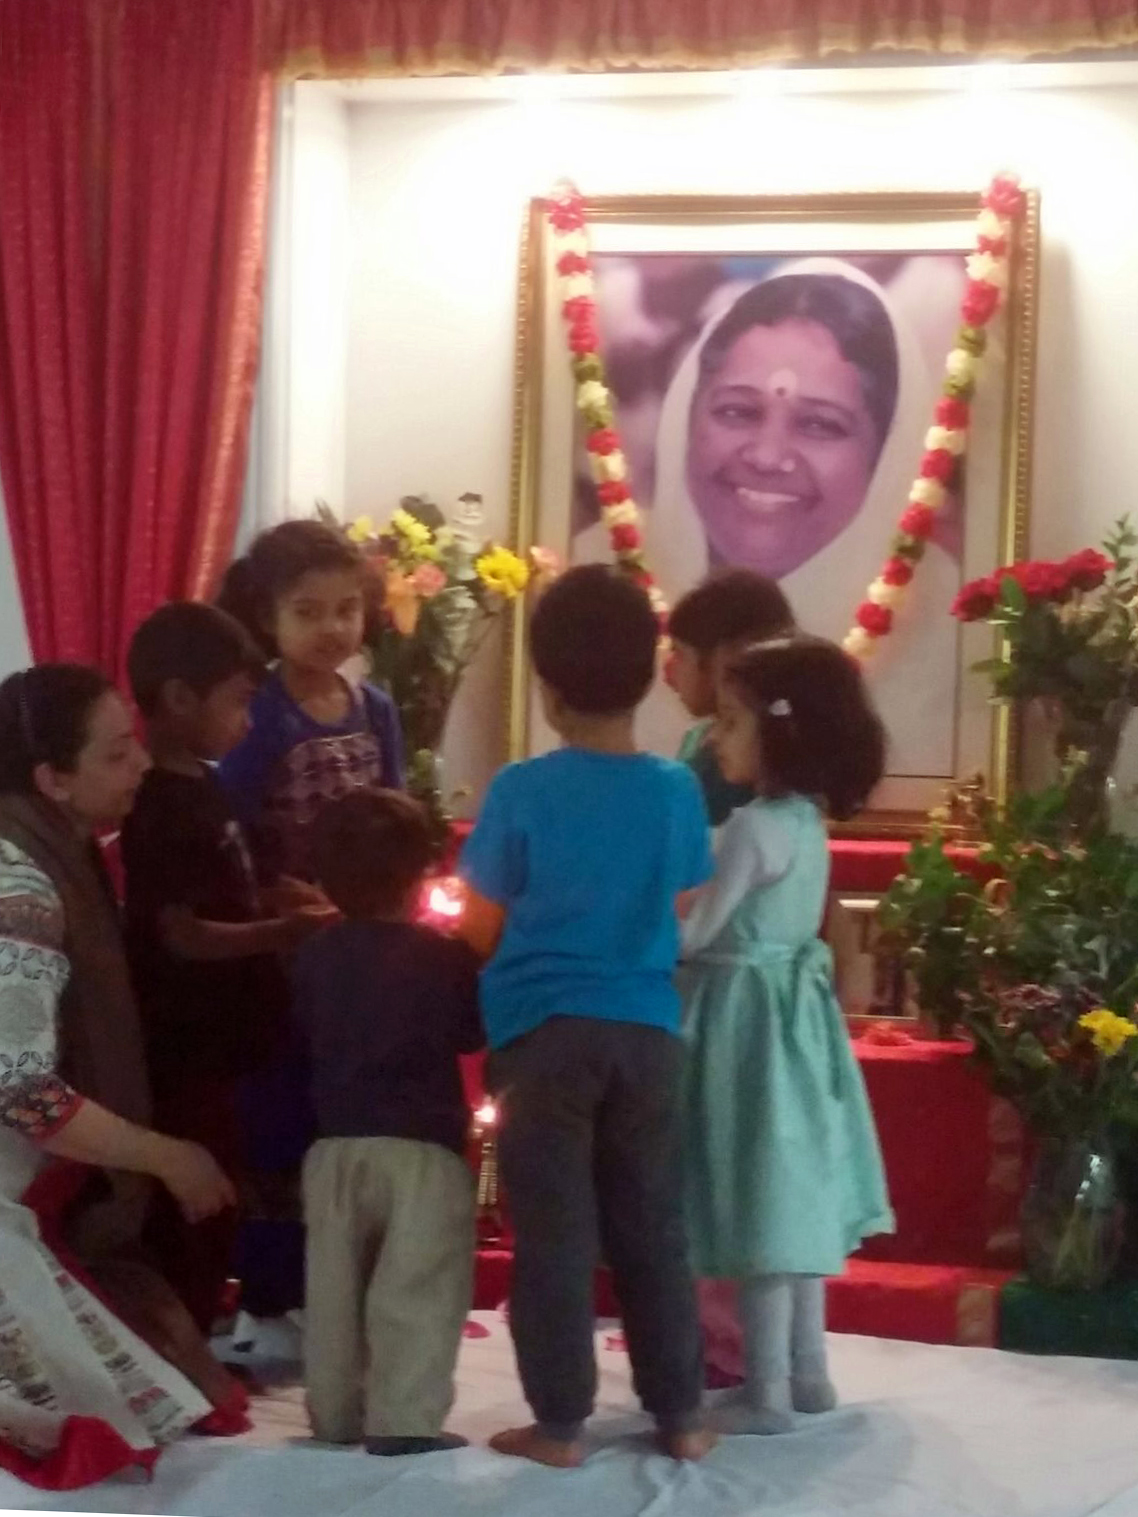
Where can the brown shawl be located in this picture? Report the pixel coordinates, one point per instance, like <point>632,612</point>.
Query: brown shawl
<point>101,1055</point>
<point>100,1036</point>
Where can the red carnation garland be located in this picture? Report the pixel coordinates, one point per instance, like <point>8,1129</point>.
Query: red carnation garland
<point>1003,207</point>
<point>566,214</point>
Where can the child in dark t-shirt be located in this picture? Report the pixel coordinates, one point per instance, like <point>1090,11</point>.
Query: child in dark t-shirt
<point>386,1006</point>
<point>709,625</point>
<point>204,949</point>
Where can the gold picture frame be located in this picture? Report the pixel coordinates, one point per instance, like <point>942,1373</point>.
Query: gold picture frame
<point>905,225</point>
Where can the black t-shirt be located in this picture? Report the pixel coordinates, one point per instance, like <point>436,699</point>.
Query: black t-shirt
<point>386,1008</point>
<point>182,846</point>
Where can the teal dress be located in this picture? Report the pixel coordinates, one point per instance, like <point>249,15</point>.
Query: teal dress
<point>783,1171</point>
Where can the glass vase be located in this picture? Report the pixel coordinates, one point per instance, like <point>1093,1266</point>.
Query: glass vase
<point>1094,737</point>
<point>1074,1215</point>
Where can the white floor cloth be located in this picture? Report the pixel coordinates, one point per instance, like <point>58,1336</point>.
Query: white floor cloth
<point>923,1432</point>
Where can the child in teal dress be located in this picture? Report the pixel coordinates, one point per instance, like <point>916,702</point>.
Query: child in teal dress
<point>783,1173</point>
<point>722,615</point>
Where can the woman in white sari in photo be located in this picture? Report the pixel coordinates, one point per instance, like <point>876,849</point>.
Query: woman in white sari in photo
<point>787,443</point>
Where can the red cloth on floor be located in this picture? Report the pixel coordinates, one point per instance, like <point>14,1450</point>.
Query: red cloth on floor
<point>954,1157</point>
<point>89,1450</point>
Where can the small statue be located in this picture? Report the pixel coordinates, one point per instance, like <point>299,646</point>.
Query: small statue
<point>964,810</point>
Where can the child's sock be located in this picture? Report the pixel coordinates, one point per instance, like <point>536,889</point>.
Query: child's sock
<point>811,1387</point>
<point>394,1448</point>
<point>766,1305</point>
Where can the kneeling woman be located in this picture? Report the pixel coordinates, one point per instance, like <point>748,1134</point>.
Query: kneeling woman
<point>99,1363</point>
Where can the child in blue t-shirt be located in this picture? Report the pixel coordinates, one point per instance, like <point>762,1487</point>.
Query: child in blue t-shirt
<point>574,870</point>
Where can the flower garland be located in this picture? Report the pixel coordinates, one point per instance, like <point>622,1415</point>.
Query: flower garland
<point>1003,206</point>
<point>946,442</point>
<point>609,466</point>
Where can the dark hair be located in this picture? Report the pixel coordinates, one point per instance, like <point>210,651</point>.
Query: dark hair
<point>856,319</point>
<point>369,849</point>
<point>275,562</point>
<point>201,645</point>
<point>730,605</point>
<point>593,639</point>
<point>819,733</point>
<point>45,717</point>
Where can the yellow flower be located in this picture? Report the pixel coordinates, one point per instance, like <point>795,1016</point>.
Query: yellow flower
<point>413,532</point>
<point>361,529</point>
<point>502,572</point>
<point>1109,1032</point>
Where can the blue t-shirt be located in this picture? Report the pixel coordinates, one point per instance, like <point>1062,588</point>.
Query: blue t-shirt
<point>587,853</point>
<point>290,766</point>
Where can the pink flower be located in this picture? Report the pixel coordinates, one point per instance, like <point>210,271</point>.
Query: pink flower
<point>876,620</point>
<point>546,564</point>
<point>428,580</point>
<point>917,521</point>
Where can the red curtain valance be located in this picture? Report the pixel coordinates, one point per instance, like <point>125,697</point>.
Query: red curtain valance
<point>317,38</point>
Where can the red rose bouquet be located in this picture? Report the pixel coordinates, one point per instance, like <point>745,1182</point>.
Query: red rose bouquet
<point>1070,640</point>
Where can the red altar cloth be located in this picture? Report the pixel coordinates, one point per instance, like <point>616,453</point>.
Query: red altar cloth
<point>954,1157</point>
<point>868,866</point>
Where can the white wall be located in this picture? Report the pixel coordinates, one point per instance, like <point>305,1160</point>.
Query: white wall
<point>438,190</point>
<point>302,394</point>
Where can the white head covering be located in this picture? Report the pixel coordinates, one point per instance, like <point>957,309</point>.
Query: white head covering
<point>920,654</point>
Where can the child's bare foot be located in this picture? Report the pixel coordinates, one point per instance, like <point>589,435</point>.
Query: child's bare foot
<point>531,1443</point>
<point>689,1447</point>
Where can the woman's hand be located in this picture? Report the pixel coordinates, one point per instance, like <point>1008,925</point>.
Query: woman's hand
<point>195,1180</point>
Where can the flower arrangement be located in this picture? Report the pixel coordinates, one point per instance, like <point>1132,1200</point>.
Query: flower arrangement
<point>1068,1066</point>
<point>442,586</point>
<point>1037,967</point>
<point>1045,908</point>
<point>1070,640</point>
<point>946,443</point>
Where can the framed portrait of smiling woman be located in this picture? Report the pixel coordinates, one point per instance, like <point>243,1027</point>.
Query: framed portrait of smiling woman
<point>775,363</point>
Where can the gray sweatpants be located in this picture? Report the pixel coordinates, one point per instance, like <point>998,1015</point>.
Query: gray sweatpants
<point>390,1259</point>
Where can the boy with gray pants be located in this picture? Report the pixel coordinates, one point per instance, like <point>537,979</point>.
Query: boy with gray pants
<point>386,1007</point>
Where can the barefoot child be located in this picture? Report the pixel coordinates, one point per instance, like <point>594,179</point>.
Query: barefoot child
<point>783,1175</point>
<point>575,866</point>
<point>386,1007</point>
<point>731,608</point>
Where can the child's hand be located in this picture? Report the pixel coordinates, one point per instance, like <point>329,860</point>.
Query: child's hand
<point>305,921</point>
<point>289,895</point>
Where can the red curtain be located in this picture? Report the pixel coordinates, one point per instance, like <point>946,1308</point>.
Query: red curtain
<point>134,140</point>
<point>346,37</point>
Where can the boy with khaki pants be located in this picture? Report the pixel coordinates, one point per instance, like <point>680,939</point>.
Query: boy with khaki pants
<point>386,1006</point>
